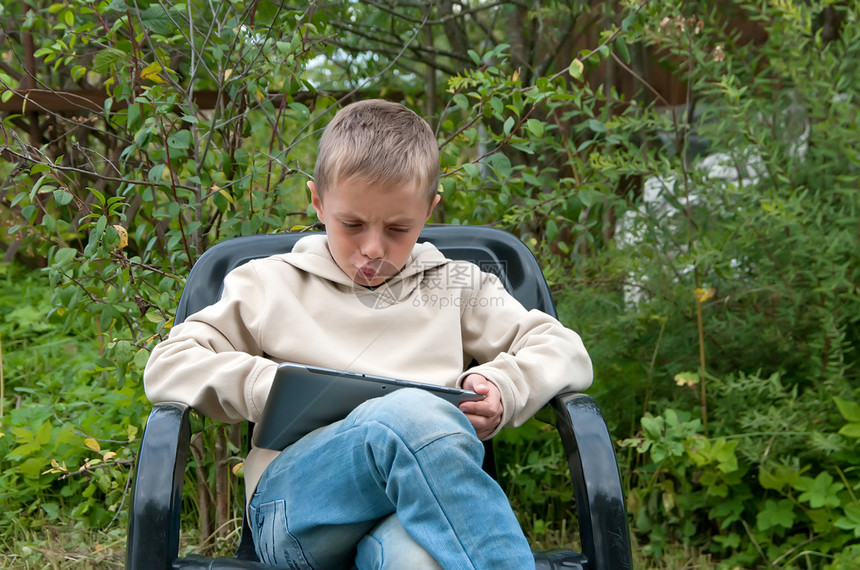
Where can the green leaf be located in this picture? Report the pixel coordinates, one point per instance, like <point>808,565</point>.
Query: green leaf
<point>155,173</point>
<point>773,479</point>
<point>849,410</point>
<point>29,212</point>
<point>43,52</point>
<point>498,107</point>
<point>776,514</point>
<point>575,69</point>
<point>141,357</point>
<point>851,430</point>
<point>64,256</point>
<point>78,72</point>
<point>156,19</point>
<point>49,223</point>
<point>851,520</point>
<point>62,197</point>
<point>301,109</point>
<point>586,196</point>
<point>551,230</point>
<point>107,57</point>
<point>46,179</point>
<point>723,451</point>
<point>122,351</point>
<point>133,116</point>
<point>101,224</point>
<point>117,6</point>
<point>819,492</point>
<point>653,427</point>
<point>472,170</point>
<point>179,140</point>
<point>628,21</point>
<point>621,47</point>
<point>535,127</point>
<point>596,126</point>
<point>501,164</point>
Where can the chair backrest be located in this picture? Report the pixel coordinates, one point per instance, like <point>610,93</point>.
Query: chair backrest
<point>493,250</point>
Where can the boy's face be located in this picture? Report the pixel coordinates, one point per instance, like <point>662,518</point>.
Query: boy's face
<point>371,229</point>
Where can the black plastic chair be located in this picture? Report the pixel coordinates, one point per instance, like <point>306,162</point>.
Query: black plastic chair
<point>153,534</point>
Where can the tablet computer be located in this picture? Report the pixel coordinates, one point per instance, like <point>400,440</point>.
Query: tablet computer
<point>304,398</point>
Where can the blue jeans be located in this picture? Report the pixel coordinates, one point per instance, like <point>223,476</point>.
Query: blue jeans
<point>409,453</point>
<point>389,547</point>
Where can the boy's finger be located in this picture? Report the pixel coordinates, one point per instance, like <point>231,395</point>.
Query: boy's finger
<point>483,425</point>
<point>482,408</point>
<point>476,411</point>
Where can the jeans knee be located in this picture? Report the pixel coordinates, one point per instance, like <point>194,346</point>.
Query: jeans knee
<point>418,418</point>
<point>389,547</point>
<point>423,409</point>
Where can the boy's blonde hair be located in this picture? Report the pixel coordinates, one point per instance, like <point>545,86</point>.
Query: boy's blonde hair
<point>380,142</point>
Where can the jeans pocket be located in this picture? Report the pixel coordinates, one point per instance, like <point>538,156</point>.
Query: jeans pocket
<point>272,539</point>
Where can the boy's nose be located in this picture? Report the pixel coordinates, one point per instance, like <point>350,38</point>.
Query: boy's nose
<point>372,246</point>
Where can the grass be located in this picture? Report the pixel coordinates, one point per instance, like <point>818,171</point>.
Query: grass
<point>63,547</point>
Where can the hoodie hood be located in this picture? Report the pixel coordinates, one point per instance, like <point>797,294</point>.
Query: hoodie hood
<point>311,254</point>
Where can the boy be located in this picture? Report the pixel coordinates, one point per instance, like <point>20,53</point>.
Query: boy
<point>398,483</point>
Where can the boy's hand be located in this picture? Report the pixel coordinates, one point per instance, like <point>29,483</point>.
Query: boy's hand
<point>484,415</point>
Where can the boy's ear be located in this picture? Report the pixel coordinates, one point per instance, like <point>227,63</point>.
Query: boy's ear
<point>316,201</point>
<point>433,205</point>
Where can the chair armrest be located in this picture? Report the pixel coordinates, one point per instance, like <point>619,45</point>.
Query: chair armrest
<point>153,530</point>
<point>597,485</point>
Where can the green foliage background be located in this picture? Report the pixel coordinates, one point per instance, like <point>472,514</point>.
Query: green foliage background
<point>707,251</point>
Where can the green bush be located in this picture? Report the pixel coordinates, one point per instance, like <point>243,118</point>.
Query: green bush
<point>731,319</point>
<point>63,413</point>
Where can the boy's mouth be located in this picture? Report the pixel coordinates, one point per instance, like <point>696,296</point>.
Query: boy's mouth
<point>367,273</point>
<point>375,272</point>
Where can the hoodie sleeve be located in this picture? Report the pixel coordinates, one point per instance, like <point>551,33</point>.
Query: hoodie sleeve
<point>213,361</point>
<point>529,355</point>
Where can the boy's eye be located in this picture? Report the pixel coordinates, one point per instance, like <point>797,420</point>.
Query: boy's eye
<point>400,229</point>
<point>350,225</point>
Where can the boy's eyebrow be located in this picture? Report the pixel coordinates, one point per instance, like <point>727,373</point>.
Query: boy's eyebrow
<point>405,220</point>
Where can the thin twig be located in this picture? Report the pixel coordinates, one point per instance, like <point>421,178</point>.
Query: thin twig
<point>87,468</point>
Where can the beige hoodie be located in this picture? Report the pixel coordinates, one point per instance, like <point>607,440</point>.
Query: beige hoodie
<point>428,323</point>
